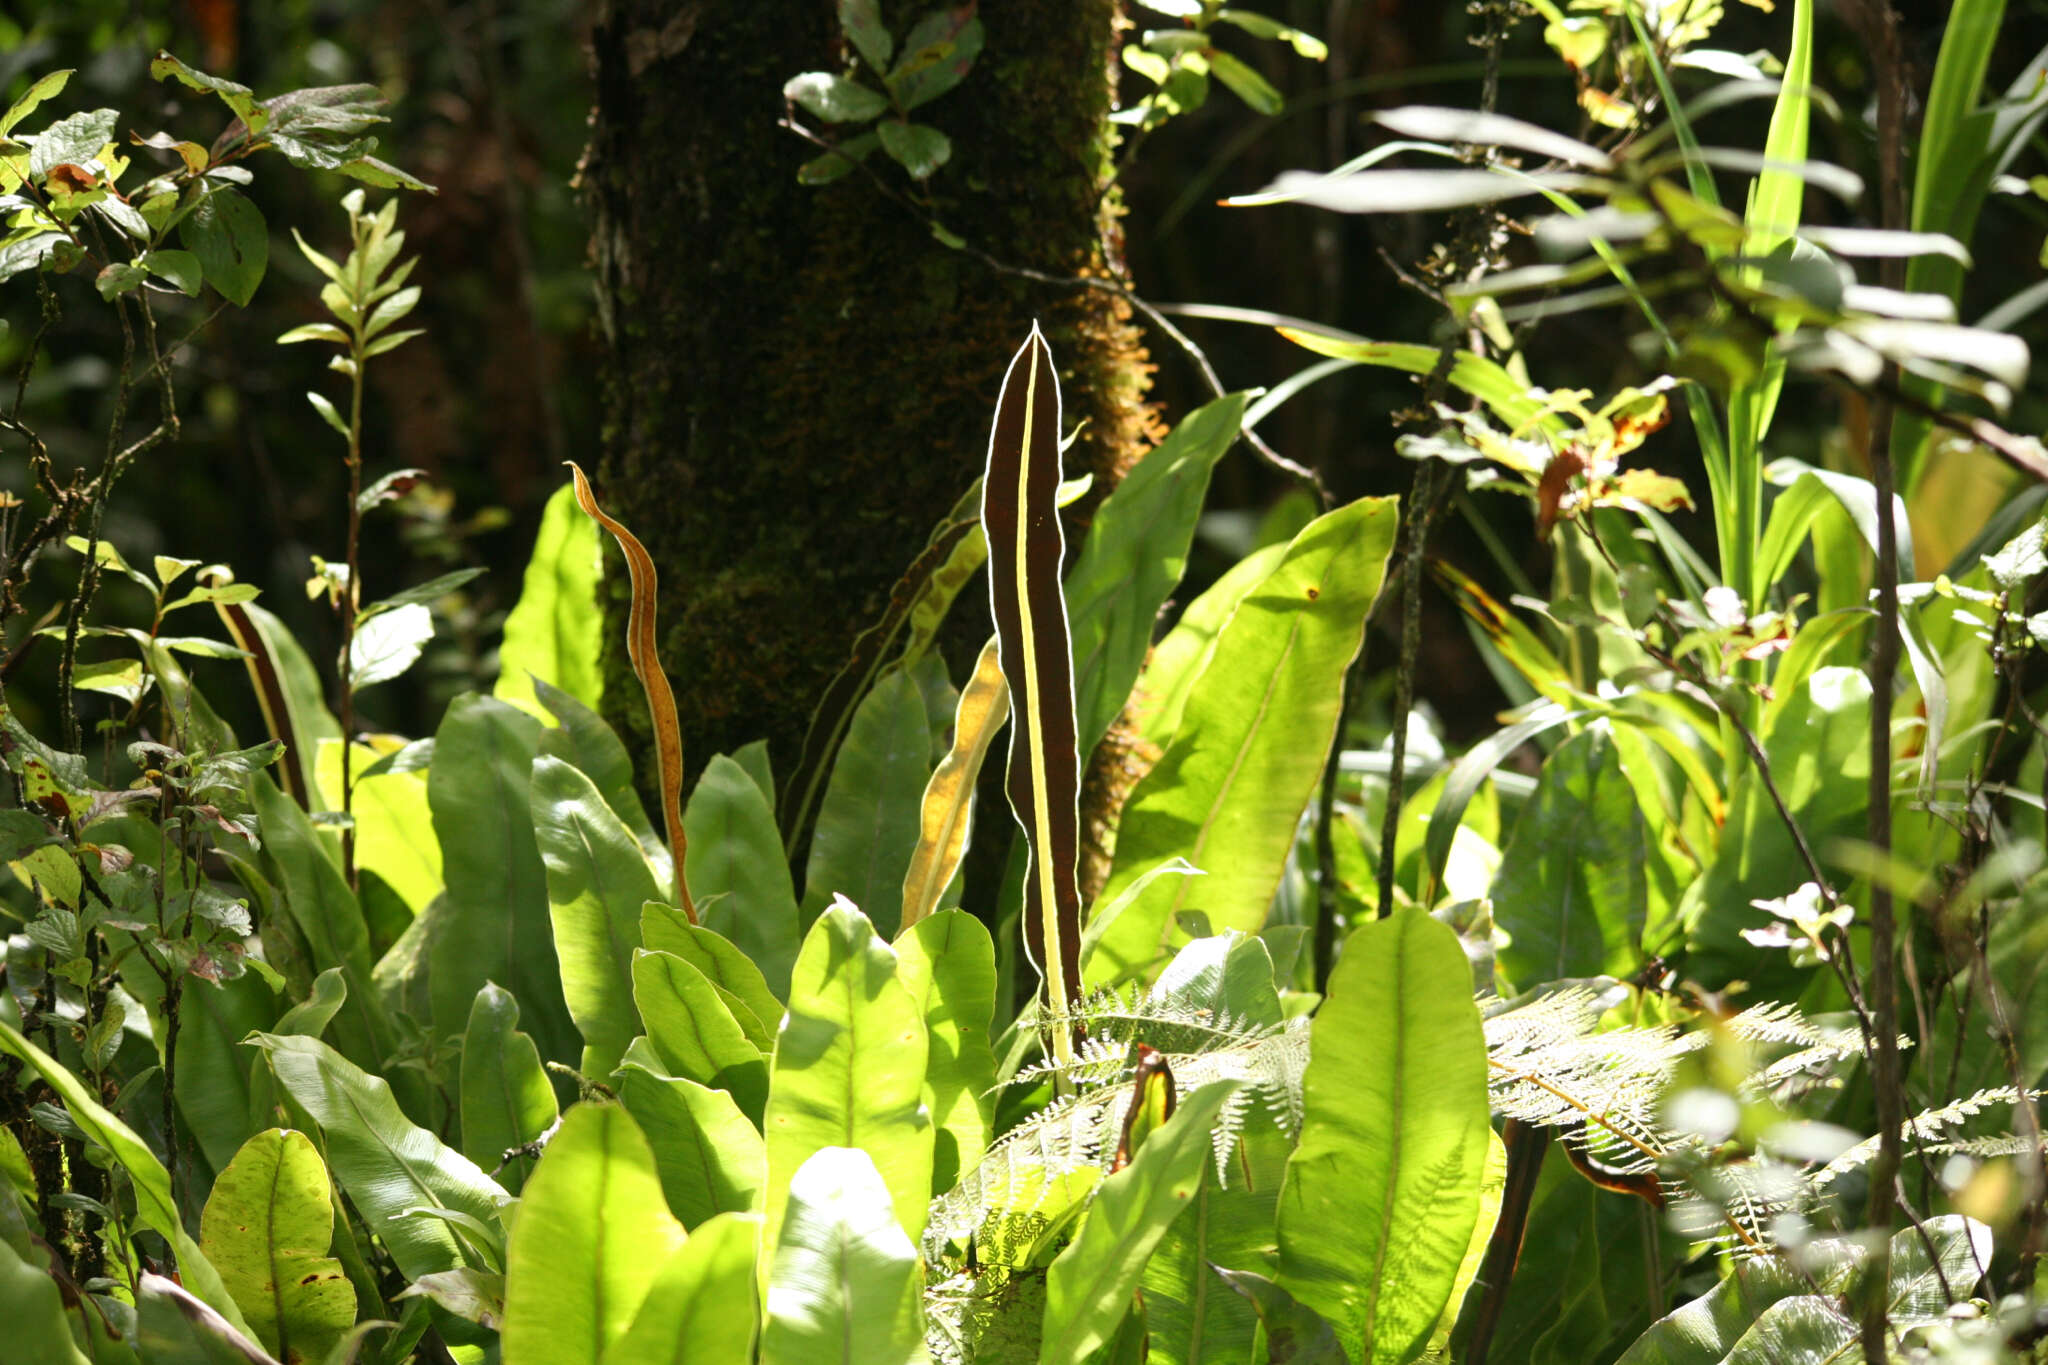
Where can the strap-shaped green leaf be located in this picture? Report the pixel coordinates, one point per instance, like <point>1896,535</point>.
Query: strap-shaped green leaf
<point>849,1069</point>
<point>1020,517</point>
<point>1250,747</point>
<point>1383,1190</point>
<point>1088,1289</point>
<point>554,633</point>
<point>592,1234</point>
<point>702,1307</point>
<point>1133,557</point>
<point>843,1284</point>
<point>493,924</point>
<point>597,883</point>
<point>506,1100</point>
<point>948,964</point>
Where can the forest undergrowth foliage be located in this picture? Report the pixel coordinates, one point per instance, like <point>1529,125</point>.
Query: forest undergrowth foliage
<point>1713,1034</point>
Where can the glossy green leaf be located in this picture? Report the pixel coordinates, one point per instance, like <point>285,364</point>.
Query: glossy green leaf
<point>506,1100</point>
<point>215,1095</point>
<point>701,1309</point>
<point>843,1285</point>
<point>1133,557</point>
<point>1249,751</point>
<point>947,962</point>
<point>494,924</point>
<point>597,882</point>
<point>149,1181</point>
<point>918,148</point>
<point>387,1164</point>
<point>581,737</point>
<point>868,823</point>
<point>739,979</point>
<point>33,1310</point>
<point>555,631</point>
<point>1089,1287</point>
<point>326,914</point>
<point>226,232</point>
<point>849,1068</point>
<point>266,1228</point>
<point>834,99</point>
<point>394,829</point>
<point>708,1154</point>
<point>1573,886</point>
<point>1176,661</point>
<point>1383,1190</point>
<point>692,1031</point>
<point>735,852</point>
<point>1192,1317</point>
<point>592,1234</point>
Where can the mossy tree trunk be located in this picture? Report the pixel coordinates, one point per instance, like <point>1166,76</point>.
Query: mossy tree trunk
<point>801,378</point>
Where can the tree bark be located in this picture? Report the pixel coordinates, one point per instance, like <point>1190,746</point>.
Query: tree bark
<point>800,378</point>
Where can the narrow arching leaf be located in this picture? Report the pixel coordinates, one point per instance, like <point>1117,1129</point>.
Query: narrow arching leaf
<point>849,1068</point>
<point>1020,518</point>
<point>554,632</point>
<point>701,1308</point>
<point>266,1228</point>
<point>868,822</point>
<point>494,924</point>
<point>693,1033</point>
<point>1088,1289</point>
<point>1251,743</point>
<point>592,1234</point>
<point>661,699</point>
<point>843,1282</point>
<point>1133,557</point>
<point>506,1100</point>
<point>707,1152</point>
<point>947,810</point>
<point>387,1164</point>
<point>597,883</point>
<point>736,856</point>
<point>1383,1190</point>
<point>1490,130</point>
<point>1484,379</point>
<point>947,963</point>
<point>149,1180</point>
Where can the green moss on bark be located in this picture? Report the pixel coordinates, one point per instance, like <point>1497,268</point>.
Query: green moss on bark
<point>800,379</point>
